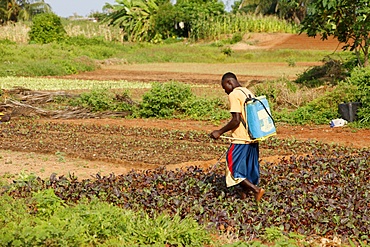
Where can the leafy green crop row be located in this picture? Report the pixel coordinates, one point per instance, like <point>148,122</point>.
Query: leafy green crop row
<point>46,220</point>
<point>323,193</point>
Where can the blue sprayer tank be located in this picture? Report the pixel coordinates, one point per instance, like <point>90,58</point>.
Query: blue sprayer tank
<point>260,122</point>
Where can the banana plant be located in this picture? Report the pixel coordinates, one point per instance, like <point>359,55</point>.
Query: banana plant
<point>135,18</point>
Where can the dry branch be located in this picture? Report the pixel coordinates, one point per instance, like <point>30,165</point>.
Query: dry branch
<point>27,99</point>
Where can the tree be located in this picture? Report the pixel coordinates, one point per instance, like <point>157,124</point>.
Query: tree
<point>189,12</point>
<point>47,28</point>
<point>346,20</point>
<point>134,17</point>
<point>16,10</point>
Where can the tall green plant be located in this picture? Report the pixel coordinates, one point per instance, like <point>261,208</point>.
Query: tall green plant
<point>15,10</point>
<point>164,99</point>
<point>208,27</point>
<point>135,18</point>
<point>47,28</point>
<point>361,78</point>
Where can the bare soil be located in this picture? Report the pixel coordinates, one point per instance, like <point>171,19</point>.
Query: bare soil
<point>86,153</point>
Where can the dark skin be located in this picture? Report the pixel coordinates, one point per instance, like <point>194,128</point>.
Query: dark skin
<point>229,84</point>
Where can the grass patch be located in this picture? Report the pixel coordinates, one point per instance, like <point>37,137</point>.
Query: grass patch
<point>79,54</point>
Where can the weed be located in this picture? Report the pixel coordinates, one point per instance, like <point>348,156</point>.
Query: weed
<point>227,51</point>
<point>291,62</point>
<point>60,156</point>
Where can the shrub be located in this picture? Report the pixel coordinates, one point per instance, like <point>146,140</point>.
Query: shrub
<point>205,109</point>
<point>46,28</point>
<point>103,100</point>
<point>237,37</point>
<point>361,78</point>
<point>322,109</point>
<point>164,99</point>
<point>332,71</point>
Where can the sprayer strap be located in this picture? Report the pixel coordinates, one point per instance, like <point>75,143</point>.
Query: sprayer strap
<point>264,107</point>
<point>254,100</point>
<point>241,115</point>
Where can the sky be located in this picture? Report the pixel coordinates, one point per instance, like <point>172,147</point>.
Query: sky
<point>66,8</point>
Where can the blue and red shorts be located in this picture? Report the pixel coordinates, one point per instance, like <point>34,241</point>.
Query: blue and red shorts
<point>242,161</point>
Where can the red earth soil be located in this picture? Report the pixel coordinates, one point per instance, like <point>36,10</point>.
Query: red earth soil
<point>262,41</point>
<point>14,162</point>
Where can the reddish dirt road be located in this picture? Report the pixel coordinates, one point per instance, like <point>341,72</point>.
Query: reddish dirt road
<point>210,74</point>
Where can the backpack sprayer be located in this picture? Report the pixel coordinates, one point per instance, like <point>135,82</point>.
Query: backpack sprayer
<point>261,124</point>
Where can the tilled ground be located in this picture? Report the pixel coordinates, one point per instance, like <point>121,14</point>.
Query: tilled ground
<point>85,147</point>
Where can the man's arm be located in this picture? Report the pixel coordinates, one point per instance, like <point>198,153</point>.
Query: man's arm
<point>232,124</point>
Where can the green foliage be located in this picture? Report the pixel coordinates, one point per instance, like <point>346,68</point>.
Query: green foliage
<point>291,10</point>
<point>91,224</point>
<point>346,20</point>
<point>46,203</point>
<point>361,79</point>
<point>227,51</point>
<point>216,27</point>
<point>237,37</point>
<point>164,100</point>
<point>321,110</point>
<point>165,21</point>
<point>205,109</point>
<point>102,100</point>
<point>331,72</point>
<point>17,10</point>
<point>25,178</point>
<point>193,11</point>
<point>7,42</point>
<point>135,18</point>
<point>46,28</point>
<point>71,56</point>
<point>176,100</point>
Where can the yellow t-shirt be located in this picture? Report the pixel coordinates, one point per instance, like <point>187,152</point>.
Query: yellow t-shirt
<point>236,101</point>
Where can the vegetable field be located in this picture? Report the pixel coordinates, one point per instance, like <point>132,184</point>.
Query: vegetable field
<point>316,177</point>
<point>312,188</point>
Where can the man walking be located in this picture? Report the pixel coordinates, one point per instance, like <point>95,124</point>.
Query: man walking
<point>243,154</point>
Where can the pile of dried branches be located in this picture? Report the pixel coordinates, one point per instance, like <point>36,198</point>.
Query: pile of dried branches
<point>27,103</point>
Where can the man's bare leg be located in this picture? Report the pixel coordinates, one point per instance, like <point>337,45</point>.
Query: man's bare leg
<point>248,186</point>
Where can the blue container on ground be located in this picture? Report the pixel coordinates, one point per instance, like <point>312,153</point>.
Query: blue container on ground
<point>260,123</point>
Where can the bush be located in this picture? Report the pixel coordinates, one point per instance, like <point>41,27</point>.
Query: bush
<point>46,28</point>
<point>361,78</point>
<point>332,71</point>
<point>205,109</point>
<point>322,109</point>
<point>103,100</point>
<point>237,37</point>
<point>164,100</point>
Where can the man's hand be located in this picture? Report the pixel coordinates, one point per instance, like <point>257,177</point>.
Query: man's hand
<point>215,134</point>
<point>232,124</point>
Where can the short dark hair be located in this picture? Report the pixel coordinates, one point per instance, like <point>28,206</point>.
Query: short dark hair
<point>229,75</point>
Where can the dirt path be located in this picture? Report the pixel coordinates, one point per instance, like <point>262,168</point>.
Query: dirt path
<point>210,73</point>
